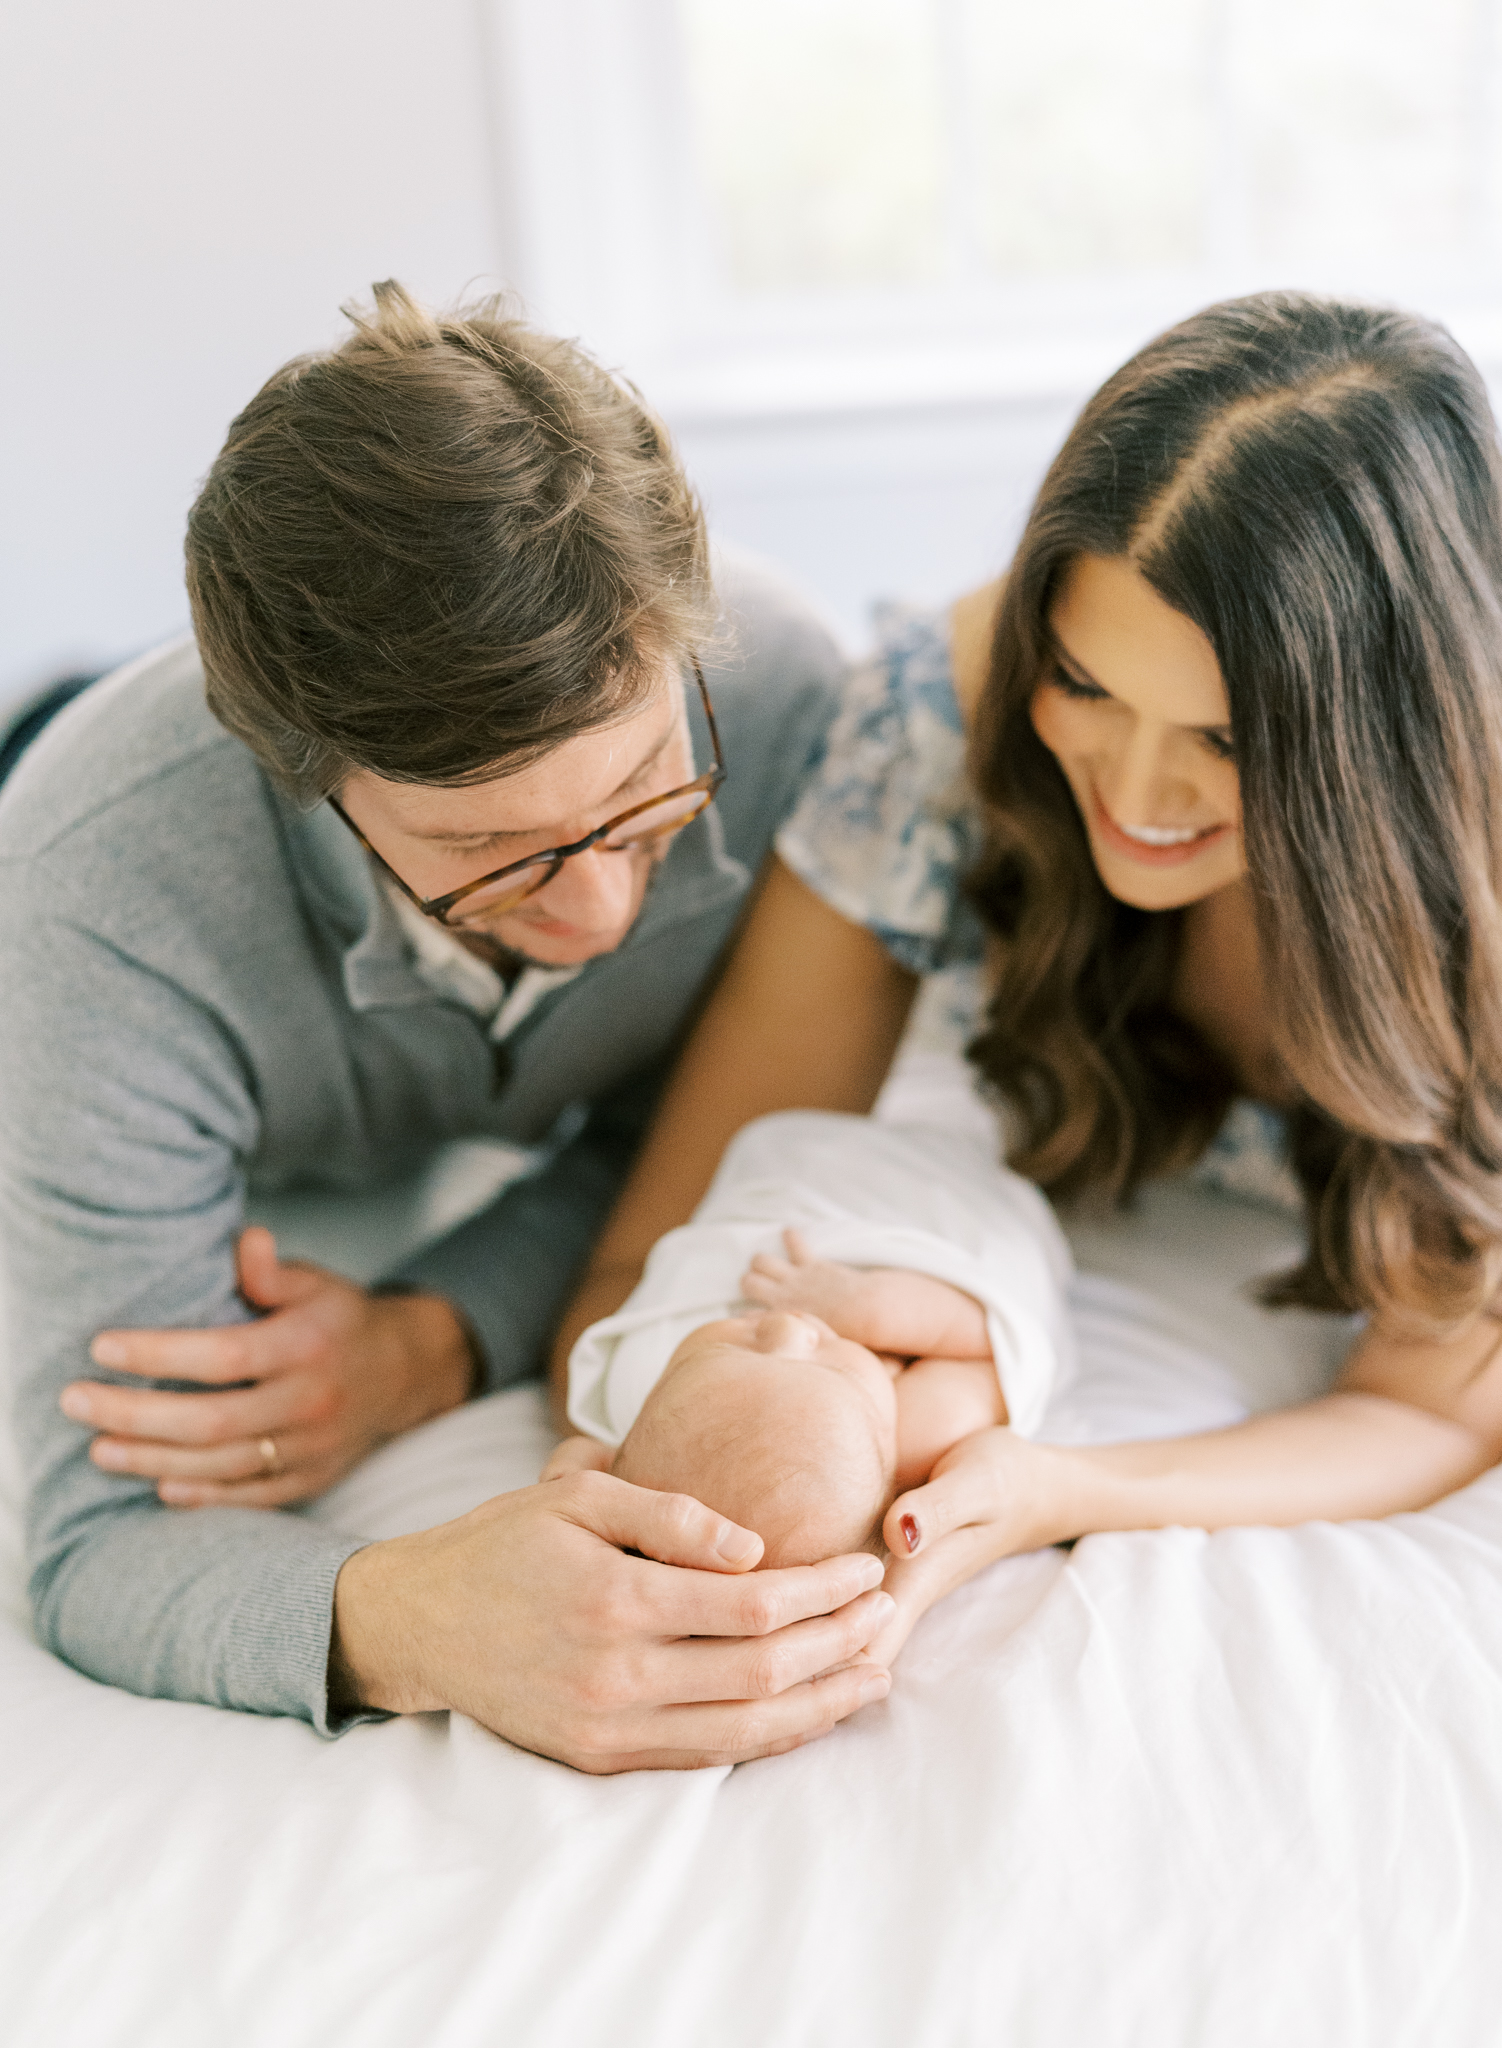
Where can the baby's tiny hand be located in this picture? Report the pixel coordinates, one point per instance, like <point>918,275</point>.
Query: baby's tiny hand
<point>837,1294</point>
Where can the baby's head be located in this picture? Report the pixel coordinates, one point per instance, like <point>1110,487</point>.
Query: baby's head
<point>773,1420</point>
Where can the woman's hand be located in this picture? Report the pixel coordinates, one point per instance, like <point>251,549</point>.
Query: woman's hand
<point>335,1371</point>
<point>993,1494</point>
<point>1410,1421</point>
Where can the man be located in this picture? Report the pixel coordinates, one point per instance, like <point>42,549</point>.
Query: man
<point>422,839</point>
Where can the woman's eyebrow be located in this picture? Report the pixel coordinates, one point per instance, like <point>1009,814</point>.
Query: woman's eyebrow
<point>1062,655</point>
<point>1078,669</point>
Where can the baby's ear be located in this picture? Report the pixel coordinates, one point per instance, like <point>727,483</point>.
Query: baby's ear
<point>789,1333</point>
<point>578,1454</point>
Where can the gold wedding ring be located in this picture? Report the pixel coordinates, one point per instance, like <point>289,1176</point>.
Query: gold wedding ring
<point>271,1458</point>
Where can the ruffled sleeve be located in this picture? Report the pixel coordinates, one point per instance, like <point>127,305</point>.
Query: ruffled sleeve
<point>1248,1158</point>
<point>886,826</point>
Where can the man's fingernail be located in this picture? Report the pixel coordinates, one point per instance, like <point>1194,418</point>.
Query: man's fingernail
<point>876,1687</point>
<point>111,1456</point>
<point>76,1405</point>
<point>108,1351</point>
<point>909,1530</point>
<point>736,1546</point>
<point>883,1607</point>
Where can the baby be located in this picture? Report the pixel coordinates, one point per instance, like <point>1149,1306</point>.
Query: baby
<point>917,1297</point>
<point>805,1421</point>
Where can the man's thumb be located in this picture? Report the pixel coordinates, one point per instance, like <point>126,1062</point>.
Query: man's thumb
<point>265,1279</point>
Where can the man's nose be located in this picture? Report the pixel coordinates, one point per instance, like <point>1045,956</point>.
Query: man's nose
<point>597,891</point>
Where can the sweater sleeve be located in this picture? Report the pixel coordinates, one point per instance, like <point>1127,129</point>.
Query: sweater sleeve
<point>511,1270</point>
<point>126,1116</point>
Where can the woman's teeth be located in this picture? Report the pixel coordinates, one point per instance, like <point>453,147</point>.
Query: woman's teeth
<point>1162,835</point>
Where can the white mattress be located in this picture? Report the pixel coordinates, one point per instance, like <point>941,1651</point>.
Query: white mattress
<point>1176,1790</point>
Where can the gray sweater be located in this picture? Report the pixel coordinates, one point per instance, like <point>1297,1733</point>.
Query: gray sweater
<point>203,990</point>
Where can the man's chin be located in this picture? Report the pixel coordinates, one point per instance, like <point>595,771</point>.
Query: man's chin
<point>536,949</point>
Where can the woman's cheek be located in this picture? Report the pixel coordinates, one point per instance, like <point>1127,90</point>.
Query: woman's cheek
<point>1042,710</point>
<point>1064,728</point>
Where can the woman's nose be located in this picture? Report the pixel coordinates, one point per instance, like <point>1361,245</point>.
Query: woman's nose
<point>1146,774</point>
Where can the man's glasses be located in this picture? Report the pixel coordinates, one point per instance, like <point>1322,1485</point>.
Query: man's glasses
<point>646,827</point>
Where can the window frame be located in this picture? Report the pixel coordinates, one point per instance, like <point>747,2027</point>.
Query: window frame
<point>606,238</point>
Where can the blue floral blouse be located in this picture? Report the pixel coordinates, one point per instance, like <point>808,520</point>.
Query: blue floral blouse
<point>887,826</point>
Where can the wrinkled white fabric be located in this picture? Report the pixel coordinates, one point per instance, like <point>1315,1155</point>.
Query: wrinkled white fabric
<point>930,1200</point>
<point>1165,1790</point>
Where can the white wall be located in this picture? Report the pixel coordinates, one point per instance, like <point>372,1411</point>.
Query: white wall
<point>191,188</point>
<point>911,503</point>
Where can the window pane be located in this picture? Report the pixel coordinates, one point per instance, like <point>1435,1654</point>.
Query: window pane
<point>1090,123</point>
<point>818,133</point>
<point>1356,119</point>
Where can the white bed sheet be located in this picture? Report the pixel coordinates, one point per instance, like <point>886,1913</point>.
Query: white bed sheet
<point>1163,1789</point>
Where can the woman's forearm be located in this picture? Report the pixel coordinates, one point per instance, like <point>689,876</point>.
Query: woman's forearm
<point>1414,1420</point>
<point>1348,1456</point>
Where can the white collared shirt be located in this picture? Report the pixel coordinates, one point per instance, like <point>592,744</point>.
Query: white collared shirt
<point>452,971</point>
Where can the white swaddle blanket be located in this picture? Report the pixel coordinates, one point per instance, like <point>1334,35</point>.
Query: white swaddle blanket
<point>868,1194</point>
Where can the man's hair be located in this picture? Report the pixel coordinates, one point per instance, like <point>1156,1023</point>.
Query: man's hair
<point>439,551</point>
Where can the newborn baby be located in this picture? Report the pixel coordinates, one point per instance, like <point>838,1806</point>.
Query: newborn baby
<point>918,1298</point>
<point>804,1426</point>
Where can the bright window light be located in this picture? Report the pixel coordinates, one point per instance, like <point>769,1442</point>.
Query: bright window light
<point>764,204</point>
<point>819,132</point>
<point>881,143</point>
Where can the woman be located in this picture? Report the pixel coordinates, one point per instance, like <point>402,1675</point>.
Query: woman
<point>1234,733</point>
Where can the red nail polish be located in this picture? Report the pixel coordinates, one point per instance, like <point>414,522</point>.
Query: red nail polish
<point>909,1530</point>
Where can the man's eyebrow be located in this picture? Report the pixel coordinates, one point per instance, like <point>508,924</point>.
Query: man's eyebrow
<point>499,837</point>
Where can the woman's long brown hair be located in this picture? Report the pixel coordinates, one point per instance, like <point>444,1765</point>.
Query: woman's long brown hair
<point>1318,487</point>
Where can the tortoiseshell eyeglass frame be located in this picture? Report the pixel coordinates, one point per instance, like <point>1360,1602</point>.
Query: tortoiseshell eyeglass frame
<point>550,859</point>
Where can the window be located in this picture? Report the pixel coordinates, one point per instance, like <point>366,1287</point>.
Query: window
<point>749,200</point>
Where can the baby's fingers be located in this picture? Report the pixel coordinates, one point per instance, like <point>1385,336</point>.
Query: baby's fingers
<point>766,1278</point>
<point>797,1247</point>
<point>769,1264</point>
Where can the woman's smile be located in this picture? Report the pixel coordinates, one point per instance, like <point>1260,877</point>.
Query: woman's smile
<point>1133,707</point>
<point>1156,846</point>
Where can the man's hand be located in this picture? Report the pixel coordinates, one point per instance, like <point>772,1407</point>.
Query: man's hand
<point>336,1372</point>
<point>530,1616</point>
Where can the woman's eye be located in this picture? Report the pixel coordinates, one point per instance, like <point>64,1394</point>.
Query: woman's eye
<point>1221,744</point>
<point>1084,693</point>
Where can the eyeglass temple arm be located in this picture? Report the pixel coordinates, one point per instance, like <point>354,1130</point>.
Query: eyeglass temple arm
<point>714,729</point>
